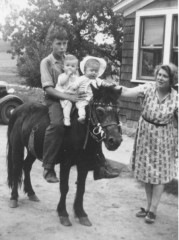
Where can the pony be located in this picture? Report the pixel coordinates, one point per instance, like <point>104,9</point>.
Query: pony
<point>80,147</point>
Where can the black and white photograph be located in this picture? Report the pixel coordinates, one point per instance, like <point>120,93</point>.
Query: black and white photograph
<point>89,119</point>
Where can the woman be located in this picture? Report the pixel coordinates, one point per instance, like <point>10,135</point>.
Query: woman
<point>153,158</point>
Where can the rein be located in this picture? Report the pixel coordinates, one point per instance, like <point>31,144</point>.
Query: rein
<point>97,132</point>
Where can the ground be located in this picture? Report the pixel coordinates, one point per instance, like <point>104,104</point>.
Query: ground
<point>111,206</point>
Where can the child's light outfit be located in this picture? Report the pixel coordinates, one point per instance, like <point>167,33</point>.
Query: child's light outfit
<point>85,87</point>
<point>70,86</point>
<point>76,84</point>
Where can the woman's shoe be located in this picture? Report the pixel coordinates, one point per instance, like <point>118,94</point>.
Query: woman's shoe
<point>142,213</point>
<point>150,218</point>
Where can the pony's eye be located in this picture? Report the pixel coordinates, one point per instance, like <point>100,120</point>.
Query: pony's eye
<point>100,112</point>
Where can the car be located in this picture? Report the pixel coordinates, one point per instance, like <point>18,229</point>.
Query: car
<point>8,102</point>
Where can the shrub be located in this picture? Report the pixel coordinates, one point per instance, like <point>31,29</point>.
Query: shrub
<point>28,64</point>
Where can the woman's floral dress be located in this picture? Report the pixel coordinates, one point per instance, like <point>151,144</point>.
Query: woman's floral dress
<point>153,157</point>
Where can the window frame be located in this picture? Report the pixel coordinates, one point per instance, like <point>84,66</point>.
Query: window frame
<point>143,48</point>
<point>173,47</point>
<point>168,14</point>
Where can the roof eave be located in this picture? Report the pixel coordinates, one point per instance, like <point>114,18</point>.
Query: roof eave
<point>128,7</point>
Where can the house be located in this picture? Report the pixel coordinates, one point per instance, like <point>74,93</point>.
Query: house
<point>150,38</point>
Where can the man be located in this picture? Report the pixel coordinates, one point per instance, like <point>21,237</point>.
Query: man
<point>50,68</point>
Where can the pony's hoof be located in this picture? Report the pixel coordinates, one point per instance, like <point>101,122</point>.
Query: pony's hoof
<point>13,204</point>
<point>85,221</point>
<point>34,198</point>
<point>65,221</point>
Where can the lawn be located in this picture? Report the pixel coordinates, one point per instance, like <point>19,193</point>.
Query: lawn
<point>8,74</point>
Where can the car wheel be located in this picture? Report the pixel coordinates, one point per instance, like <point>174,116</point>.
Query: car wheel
<point>7,109</point>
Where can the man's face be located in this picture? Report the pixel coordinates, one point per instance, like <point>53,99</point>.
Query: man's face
<point>59,47</point>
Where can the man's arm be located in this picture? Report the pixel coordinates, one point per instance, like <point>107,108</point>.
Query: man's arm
<point>51,91</point>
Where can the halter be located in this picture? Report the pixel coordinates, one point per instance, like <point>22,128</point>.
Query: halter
<point>94,127</point>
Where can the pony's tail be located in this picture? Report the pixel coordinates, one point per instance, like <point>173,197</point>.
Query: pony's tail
<point>9,158</point>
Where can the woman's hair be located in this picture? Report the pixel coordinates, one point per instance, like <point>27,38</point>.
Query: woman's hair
<point>171,70</point>
<point>91,63</point>
<point>70,57</point>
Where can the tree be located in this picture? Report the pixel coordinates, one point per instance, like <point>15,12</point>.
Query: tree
<point>83,19</point>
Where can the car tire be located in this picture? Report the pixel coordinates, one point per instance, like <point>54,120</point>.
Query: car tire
<point>7,109</point>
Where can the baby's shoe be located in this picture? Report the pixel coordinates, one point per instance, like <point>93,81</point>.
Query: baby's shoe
<point>81,119</point>
<point>67,122</point>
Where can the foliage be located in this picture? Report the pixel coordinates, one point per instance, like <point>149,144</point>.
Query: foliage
<point>83,19</point>
<point>29,63</point>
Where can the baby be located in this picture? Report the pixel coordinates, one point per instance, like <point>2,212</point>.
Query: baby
<point>68,83</point>
<point>92,68</point>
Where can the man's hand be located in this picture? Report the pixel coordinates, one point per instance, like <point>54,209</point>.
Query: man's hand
<point>76,97</point>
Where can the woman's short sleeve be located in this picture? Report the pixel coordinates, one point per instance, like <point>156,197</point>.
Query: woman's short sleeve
<point>144,87</point>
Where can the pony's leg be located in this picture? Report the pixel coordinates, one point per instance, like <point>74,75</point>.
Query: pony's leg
<point>64,187</point>
<point>28,162</point>
<point>78,204</point>
<point>16,162</point>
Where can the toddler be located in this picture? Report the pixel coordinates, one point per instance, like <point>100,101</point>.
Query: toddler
<point>92,68</point>
<point>68,83</point>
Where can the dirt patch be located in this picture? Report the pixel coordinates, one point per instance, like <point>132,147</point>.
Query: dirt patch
<point>111,206</point>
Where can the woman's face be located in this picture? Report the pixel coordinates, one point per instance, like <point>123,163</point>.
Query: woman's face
<point>162,79</point>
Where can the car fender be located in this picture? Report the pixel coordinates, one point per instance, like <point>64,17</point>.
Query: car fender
<point>10,97</point>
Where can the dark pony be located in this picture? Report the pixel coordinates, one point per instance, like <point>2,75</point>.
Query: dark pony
<point>81,144</point>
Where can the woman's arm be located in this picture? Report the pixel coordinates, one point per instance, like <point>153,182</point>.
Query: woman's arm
<point>129,92</point>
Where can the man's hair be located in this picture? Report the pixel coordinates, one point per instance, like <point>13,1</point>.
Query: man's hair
<point>70,57</point>
<point>58,33</point>
<point>91,63</point>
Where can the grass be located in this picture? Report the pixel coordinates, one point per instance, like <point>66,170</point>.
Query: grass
<point>8,74</point>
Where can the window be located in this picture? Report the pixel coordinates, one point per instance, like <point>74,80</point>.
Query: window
<point>151,45</point>
<point>174,47</point>
<point>155,41</point>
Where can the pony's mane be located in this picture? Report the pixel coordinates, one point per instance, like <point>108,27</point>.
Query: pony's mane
<point>106,94</point>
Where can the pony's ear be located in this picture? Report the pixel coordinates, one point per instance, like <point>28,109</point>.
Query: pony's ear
<point>94,90</point>
<point>119,91</point>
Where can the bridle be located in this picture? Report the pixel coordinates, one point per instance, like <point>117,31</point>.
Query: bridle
<point>94,127</point>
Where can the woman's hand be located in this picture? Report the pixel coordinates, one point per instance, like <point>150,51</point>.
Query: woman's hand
<point>108,84</point>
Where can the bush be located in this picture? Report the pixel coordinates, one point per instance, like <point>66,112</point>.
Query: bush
<point>28,64</point>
